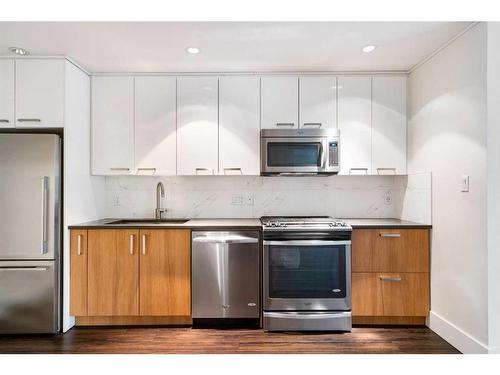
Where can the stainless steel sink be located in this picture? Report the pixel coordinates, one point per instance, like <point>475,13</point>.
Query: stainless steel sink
<point>149,221</point>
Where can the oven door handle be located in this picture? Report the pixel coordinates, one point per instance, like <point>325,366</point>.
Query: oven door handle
<point>306,243</point>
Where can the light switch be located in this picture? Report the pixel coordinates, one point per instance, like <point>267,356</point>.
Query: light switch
<point>464,183</point>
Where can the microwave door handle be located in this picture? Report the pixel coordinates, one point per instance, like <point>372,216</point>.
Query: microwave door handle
<point>323,154</point>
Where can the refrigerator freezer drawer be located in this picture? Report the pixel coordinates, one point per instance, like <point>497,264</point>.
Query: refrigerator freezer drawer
<point>29,292</point>
<point>225,272</point>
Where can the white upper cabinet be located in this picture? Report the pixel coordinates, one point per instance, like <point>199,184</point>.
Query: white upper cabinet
<point>279,102</point>
<point>112,125</point>
<point>239,125</point>
<point>197,125</point>
<point>354,117</point>
<point>155,127</point>
<point>40,93</point>
<point>7,93</point>
<point>318,102</point>
<point>389,125</point>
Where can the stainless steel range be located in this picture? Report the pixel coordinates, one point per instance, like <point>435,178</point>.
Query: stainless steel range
<point>307,274</point>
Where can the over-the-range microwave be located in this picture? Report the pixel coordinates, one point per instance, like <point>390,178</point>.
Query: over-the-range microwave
<point>299,151</point>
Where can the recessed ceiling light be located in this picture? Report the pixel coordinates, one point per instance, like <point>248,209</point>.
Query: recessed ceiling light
<point>18,51</point>
<point>368,49</point>
<point>192,50</point>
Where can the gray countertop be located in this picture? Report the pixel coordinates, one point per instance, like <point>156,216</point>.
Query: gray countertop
<point>385,223</point>
<point>189,224</point>
<point>244,224</point>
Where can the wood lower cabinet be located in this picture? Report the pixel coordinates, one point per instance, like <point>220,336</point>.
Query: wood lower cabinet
<point>78,282</point>
<point>130,275</point>
<point>113,272</point>
<point>390,294</point>
<point>165,272</point>
<point>390,276</point>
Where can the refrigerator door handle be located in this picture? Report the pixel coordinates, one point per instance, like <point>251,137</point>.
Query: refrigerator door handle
<point>45,188</point>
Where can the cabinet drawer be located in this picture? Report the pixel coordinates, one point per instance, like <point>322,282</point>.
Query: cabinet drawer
<point>390,294</point>
<point>390,250</point>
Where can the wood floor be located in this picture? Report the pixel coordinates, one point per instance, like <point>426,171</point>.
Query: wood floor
<point>361,340</point>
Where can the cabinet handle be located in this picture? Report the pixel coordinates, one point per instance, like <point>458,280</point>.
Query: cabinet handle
<point>4,120</point>
<point>318,124</point>
<point>143,244</point>
<point>119,169</point>
<point>79,245</point>
<point>387,278</point>
<point>390,235</point>
<point>203,169</point>
<point>292,124</point>
<point>233,169</point>
<point>131,245</point>
<point>29,120</point>
<point>147,169</point>
<point>386,169</point>
<point>358,169</point>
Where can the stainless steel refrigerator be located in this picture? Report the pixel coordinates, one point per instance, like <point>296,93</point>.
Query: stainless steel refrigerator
<point>30,206</point>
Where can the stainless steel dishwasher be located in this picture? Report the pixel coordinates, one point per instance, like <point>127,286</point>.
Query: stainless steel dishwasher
<point>225,277</point>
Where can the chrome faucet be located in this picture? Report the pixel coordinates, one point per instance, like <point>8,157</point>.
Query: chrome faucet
<point>160,193</point>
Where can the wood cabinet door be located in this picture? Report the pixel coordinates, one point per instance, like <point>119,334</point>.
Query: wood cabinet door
<point>197,126</point>
<point>279,98</point>
<point>366,295</point>
<point>7,94</point>
<point>113,272</point>
<point>389,125</point>
<point>155,126</point>
<point>165,271</point>
<point>40,88</point>
<point>112,125</point>
<point>405,294</point>
<point>239,125</point>
<point>78,275</point>
<point>390,250</point>
<point>318,102</point>
<point>354,122</point>
<point>390,294</point>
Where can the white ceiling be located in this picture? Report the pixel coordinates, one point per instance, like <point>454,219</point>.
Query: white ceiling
<point>231,46</point>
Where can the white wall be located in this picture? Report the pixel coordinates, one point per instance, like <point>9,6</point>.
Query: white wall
<point>493,92</point>
<point>208,197</point>
<point>83,194</point>
<point>447,136</point>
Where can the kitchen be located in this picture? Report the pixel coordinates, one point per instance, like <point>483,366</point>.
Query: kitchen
<point>203,202</point>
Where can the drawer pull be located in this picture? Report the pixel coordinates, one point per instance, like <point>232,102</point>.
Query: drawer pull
<point>291,124</point>
<point>4,120</point>
<point>318,124</point>
<point>119,169</point>
<point>358,170</point>
<point>390,235</point>
<point>79,245</point>
<point>233,169</point>
<point>29,120</point>
<point>386,170</point>
<point>386,278</point>
<point>131,244</point>
<point>143,244</point>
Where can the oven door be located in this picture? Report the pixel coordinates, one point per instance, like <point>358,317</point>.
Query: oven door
<point>293,155</point>
<point>307,275</point>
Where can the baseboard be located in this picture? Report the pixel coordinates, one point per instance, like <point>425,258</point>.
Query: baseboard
<point>455,336</point>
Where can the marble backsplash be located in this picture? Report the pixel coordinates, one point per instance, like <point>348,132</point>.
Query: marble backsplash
<point>256,196</point>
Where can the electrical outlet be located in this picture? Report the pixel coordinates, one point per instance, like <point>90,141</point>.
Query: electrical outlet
<point>388,198</point>
<point>464,183</point>
<point>237,200</point>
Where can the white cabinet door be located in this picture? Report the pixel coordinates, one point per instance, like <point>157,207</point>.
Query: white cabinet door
<point>112,125</point>
<point>155,128</point>
<point>239,125</point>
<point>197,125</point>
<point>40,93</point>
<point>389,125</point>
<point>318,102</point>
<point>279,102</point>
<point>7,94</point>
<point>354,116</point>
